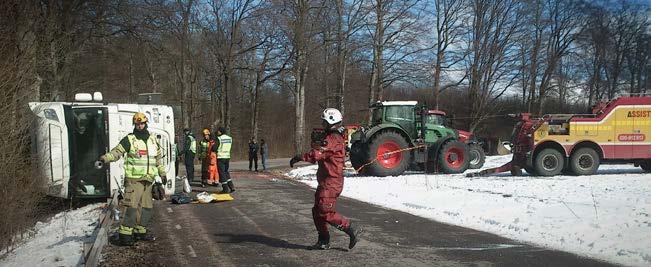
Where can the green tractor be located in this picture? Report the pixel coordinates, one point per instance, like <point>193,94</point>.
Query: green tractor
<point>403,135</point>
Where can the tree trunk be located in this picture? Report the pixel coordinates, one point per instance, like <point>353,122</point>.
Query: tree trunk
<point>342,46</point>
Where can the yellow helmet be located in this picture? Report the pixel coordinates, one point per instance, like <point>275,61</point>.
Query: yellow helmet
<point>139,117</point>
<point>206,131</point>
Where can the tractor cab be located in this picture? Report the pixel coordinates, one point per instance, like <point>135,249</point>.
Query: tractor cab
<point>399,113</point>
<point>437,117</point>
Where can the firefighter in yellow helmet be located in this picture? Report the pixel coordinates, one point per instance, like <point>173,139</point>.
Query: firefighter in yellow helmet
<point>142,163</point>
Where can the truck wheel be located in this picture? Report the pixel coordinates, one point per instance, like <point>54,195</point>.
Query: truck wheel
<point>453,157</point>
<point>646,166</point>
<point>387,164</point>
<point>358,156</point>
<point>584,161</point>
<point>549,162</point>
<point>530,171</point>
<point>477,156</point>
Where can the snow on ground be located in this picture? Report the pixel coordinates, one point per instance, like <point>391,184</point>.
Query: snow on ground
<point>58,242</point>
<point>605,216</point>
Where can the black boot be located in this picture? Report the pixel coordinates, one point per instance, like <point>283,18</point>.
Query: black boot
<point>225,189</point>
<point>126,240</point>
<point>353,232</point>
<point>322,244</point>
<point>231,186</point>
<point>144,236</point>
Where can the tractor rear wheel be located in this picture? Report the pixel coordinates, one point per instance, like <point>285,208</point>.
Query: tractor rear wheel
<point>584,161</point>
<point>549,162</point>
<point>453,157</point>
<point>477,156</point>
<point>382,151</point>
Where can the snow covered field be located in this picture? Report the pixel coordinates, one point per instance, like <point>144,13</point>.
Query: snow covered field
<point>605,216</point>
<point>58,242</point>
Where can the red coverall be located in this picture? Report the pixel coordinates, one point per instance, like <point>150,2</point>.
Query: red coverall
<point>330,176</point>
<point>213,174</point>
<point>211,161</point>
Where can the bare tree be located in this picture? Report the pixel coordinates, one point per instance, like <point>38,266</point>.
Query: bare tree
<point>637,61</point>
<point>350,20</point>
<point>63,32</point>
<point>228,18</point>
<point>301,30</point>
<point>396,34</point>
<point>449,30</point>
<point>269,60</point>
<point>562,25</point>
<point>492,55</point>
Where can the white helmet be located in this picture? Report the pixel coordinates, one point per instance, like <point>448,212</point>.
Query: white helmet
<point>332,116</point>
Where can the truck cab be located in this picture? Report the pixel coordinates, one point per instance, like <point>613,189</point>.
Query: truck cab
<point>69,137</point>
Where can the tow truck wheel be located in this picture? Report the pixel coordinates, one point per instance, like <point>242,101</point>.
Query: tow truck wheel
<point>646,166</point>
<point>584,161</point>
<point>530,171</point>
<point>549,162</point>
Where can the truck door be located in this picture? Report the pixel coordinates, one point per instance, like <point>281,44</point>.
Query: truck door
<point>50,144</point>
<point>640,137</point>
<point>623,131</point>
<point>88,140</point>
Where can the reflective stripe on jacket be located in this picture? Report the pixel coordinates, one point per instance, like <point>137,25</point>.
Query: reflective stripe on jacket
<point>189,140</point>
<point>203,149</point>
<point>141,159</point>
<point>224,150</point>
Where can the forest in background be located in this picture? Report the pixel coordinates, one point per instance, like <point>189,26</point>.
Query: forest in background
<point>266,68</point>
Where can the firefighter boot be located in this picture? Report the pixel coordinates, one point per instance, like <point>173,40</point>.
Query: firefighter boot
<point>231,186</point>
<point>126,240</point>
<point>354,234</point>
<point>322,244</point>
<point>225,189</point>
<point>140,233</point>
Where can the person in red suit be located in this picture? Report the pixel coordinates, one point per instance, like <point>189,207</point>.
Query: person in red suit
<point>330,154</point>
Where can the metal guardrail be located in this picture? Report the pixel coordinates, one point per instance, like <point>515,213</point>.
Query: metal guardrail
<point>106,218</point>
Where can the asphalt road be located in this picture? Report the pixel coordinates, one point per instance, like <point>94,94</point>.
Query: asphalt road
<point>270,224</point>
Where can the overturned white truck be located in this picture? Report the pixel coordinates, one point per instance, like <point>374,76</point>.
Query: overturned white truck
<point>68,138</point>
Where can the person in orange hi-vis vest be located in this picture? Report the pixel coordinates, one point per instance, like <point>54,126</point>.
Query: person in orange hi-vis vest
<point>213,175</point>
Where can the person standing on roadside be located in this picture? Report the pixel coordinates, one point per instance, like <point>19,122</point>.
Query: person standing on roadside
<point>263,154</point>
<point>213,174</point>
<point>189,151</point>
<point>253,154</point>
<point>204,155</point>
<point>142,163</point>
<point>224,143</point>
<point>178,156</point>
<point>331,157</point>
